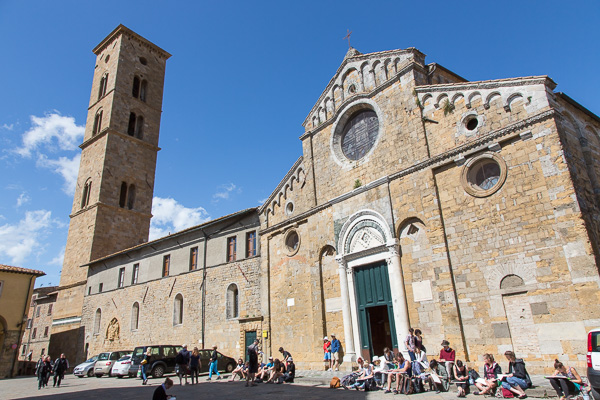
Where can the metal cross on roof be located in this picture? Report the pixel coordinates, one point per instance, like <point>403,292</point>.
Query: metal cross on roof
<point>348,37</point>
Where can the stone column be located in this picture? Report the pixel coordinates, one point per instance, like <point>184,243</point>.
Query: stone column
<point>398,294</point>
<point>349,352</point>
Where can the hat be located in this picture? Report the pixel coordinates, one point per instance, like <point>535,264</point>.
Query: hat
<point>445,343</point>
<point>270,358</point>
<point>325,338</point>
<point>333,335</point>
<point>184,346</point>
<point>290,359</point>
<point>376,358</point>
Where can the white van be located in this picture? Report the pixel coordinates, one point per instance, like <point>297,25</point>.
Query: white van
<point>593,362</point>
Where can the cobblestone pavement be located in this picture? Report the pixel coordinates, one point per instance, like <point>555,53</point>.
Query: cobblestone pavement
<point>309,385</point>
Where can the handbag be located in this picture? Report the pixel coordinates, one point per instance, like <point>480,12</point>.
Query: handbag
<point>144,362</point>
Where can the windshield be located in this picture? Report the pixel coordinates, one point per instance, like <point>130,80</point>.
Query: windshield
<point>103,356</point>
<point>92,359</point>
<point>124,358</point>
<point>138,351</point>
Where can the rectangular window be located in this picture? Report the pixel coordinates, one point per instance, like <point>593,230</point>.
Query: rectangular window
<point>166,265</point>
<point>135,273</point>
<point>34,333</point>
<point>46,331</point>
<point>122,277</point>
<point>39,309</point>
<point>100,286</point>
<point>50,309</point>
<point>251,244</point>
<point>24,350</point>
<point>29,323</point>
<point>89,290</point>
<point>231,249</point>
<point>193,258</point>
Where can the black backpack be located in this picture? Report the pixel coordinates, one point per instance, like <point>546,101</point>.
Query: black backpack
<point>179,358</point>
<point>418,385</point>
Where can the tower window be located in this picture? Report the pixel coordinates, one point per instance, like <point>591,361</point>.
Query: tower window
<point>135,273</point>
<point>122,277</point>
<point>166,265</point>
<point>131,125</point>
<point>178,310</point>
<point>131,197</point>
<point>135,127</point>
<point>50,309</point>
<point>103,85</point>
<point>231,249</point>
<point>97,320</point>
<point>139,89</point>
<point>233,301</point>
<point>46,329</point>
<point>87,189</point>
<point>123,195</point>
<point>97,123</point>
<point>135,316</point>
<point>34,333</point>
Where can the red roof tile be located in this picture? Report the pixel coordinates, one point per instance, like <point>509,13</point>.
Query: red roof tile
<point>19,270</point>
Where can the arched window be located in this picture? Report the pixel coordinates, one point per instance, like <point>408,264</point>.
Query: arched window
<point>131,125</point>
<point>103,85</point>
<point>143,90</point>
<point>123,195</point>
<point>135,316</point>
<point>178,310</point>
<point>131,198</point>
<point>233,301</point>
<point>135,91</point>
<point>97,321</point>
<point>139,127</point>
<point>97,123</point>
<point>87,189</point>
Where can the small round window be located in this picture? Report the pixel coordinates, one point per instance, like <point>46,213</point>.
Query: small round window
<point>289,208</point>
<point>360,134</point>
<point>471,123</point>
<point>143,61</point>
<point>292,242</point>
<point>484,175</point>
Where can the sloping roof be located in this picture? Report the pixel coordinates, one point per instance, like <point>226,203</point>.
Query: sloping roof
<point>193,228</point>
<point>19,270</point>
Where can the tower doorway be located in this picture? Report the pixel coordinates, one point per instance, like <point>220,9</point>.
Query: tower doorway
<point>375,311</point>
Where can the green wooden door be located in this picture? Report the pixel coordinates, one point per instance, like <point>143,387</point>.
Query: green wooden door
<point>250,336</point>
<point>372,288</point>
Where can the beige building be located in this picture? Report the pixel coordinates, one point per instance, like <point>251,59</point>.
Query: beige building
<point>16,289</point>
<point>36,337</point>
<point>466,209</point>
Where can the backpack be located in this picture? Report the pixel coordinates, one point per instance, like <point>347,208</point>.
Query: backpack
<point>418,385</point>
<point>349,380</point>
<point>335,383</point>
<point>407,385</point>
<point>179,358</point>
<point>473,376</point>
<point>505,393</point>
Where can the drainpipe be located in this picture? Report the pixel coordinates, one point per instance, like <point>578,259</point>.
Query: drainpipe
<point>19,341</point>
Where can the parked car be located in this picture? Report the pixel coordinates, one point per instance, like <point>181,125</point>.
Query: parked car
<point>593,362</point>
<point>224,363</point>
<point>121,367</point>
<point>106,361</point>
<point>86,368</point>
<point>162,360</point>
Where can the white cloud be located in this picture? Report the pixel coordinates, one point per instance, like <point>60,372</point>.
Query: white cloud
<point>170,216</point>
<point>58,260</point>
<point>51,130</point>
<point>23,198</point>
<point>224,191</point>
<point>66,167</point>
<point>262,201</point>
<point>18,241</point>
<point>8,127</point>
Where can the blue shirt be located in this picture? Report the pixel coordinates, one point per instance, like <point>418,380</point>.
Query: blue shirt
<point>335,346</point>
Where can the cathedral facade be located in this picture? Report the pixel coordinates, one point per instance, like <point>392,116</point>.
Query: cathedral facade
<point>466,209</point>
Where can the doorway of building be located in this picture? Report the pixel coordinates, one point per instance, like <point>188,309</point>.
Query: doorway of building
<point>375,311</point>
<point>249,339</point>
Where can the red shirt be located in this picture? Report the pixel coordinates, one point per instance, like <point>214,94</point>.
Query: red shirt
<point>326,346</point>
<point>447,355</point>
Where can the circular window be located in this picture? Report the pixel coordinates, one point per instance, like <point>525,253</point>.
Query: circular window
<point>289,208</point>
<point>143,61</point>
<point>292,242</point>
<point>484,175</point>
<point>360,134</point>
<point>471,123</point>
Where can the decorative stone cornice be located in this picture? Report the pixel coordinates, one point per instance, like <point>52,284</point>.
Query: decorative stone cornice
<point>490,84</point>
<point>123,30</point>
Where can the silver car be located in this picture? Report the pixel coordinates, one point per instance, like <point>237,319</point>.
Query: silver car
<point>106,361</point>
<point>121,367</point>
<point>86,368</point>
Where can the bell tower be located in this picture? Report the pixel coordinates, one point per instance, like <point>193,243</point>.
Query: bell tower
<point>113,198</point>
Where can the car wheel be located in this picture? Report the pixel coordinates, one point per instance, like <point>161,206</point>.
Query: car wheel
<point>98,375</point>
<point>230,367</point>
<point>90,373</point>
<point>79,376</point>
<point>119,376</point>
<point>595,394</point>
<point>158,371</point>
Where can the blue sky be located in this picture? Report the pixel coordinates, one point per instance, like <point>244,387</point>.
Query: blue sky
<point>242,78</point>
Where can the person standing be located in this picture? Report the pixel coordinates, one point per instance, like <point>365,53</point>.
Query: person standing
<point>195,364</point>
<point>410,343</point>
<point>286,354</point>
<point>447,357</point>
<point>60,366</point>
<point>182,360</point>
<point>335,352</point>
<point>327,353</point>
<point>212,366</point>
<point>40,371</point>
<point>252,363</point>
<point>145,364</point>
<point>49,366</point>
